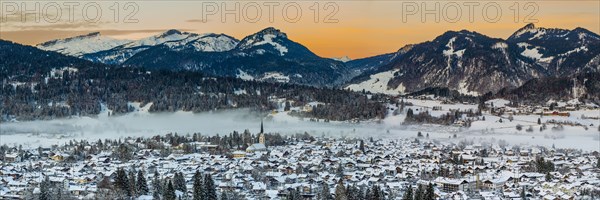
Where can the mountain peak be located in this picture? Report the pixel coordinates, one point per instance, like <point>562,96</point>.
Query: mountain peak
<point>268,36</point>
<point>527,28</point>
<point>171,32</point>
<point>342,59</point>
<point>92,34</point>
<point>463,32</point>
<point>52,42</point>
<point>271,31</point>
<point>405,48</point>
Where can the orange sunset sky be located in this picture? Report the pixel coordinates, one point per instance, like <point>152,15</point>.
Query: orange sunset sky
<point>356,29</point>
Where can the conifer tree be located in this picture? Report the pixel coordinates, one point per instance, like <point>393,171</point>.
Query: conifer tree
<point>157,186</point>
<point>376,193</point>
<point>105,183</point>
<point>45,190</point>
<point>60,193</point>
<point>419,193</point>
<point>429,193</point>
<point>122,182</point>
<point>409,114</point>
<point>169,193</point>
<point>352,192</point>
<point>224,196</point>
<point>408,194</point>
<point>180,182</point>
<point>142,184</point>
<point>548,177</point>
<point>210,192</point>
<point>340,171</point>
<point>198,186</point>
<point>368,194</point>
<point>325,194</point>
<point>132,182</point>
<point>340,191</point>
<point>294,194</point>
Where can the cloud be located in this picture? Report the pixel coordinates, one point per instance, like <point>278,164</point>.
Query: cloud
<point>197,21</point>
<point>36,36</point>
<point>45,21</point>
<point>52,26</point>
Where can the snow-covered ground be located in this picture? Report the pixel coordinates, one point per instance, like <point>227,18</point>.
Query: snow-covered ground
<point>244,76</point>
<point>378,83</point>
<point>276,76</point>
<point>141,123</point>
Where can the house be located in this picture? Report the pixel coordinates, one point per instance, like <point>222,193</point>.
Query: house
<point>57,157</point>
<point>12,158</point>
<point>451,185</point>
<point>239,154</point>
<point>257,147</point>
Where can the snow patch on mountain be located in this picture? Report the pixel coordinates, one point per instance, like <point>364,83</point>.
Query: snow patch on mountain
<point>138,108</point>
<point>534,53</point>
<point>581,48</point>
<point>16,84</point>
<point>244,76</point>
<point>239,91</point>
<point>275,76</point>
<point>84,44</point>
<point>342,59</point>
<point>218,43</point>
<point>168,36</point>
<point>500,45</point>
<point>378,83</point>
<point>204,43</point>
<point>58,73</point>
<point>463,89</point>
<point>268,39</point>
<point>450,51</point>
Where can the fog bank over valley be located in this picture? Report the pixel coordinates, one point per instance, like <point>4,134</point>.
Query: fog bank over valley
<point>32,134</point>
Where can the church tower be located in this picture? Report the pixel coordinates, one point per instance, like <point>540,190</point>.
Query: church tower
<point>261,137</point>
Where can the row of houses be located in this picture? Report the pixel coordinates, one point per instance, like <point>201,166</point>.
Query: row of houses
<point>476,171</point>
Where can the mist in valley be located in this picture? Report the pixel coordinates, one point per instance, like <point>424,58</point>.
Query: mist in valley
<point>32,134</point>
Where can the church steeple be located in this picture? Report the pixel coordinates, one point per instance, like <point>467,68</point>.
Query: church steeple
<point>261,127</point>
<point>261,135</point>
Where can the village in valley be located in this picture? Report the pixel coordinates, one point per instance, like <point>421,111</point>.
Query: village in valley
<point>269,165</point>
<point>426,147</point>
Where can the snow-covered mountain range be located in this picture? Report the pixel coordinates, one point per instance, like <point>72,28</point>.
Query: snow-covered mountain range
<point>474,64</point>
<point>267,55</point>
<point>465,61</point>
<point>98,48</point>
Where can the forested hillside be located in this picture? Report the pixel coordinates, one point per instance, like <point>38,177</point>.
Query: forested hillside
<point>42,85</point>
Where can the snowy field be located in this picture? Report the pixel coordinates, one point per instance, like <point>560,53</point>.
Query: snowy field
<point>141,123</point>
